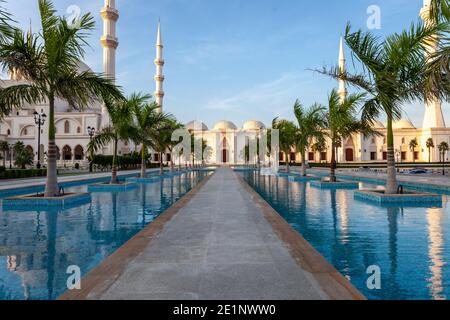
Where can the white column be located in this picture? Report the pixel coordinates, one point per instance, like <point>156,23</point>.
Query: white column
<point>159,76</point>
<point>342,87</point>
<point>433,117</point>
<point>109,42</point>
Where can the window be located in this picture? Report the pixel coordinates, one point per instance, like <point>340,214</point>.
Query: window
<point>323,156</point>
<point>311,156</point>
<point>385,155</point>
<point>168,157</point>
<point>8,132</point>
<point>25,132</point>
<point>281,156</point>
<point>156,157</point>
<point>416,155</point>
<point>373,156</point>
<point>66,126</point>
<point>293,157</point>
<point>403,156</point>
<point>78,130</point>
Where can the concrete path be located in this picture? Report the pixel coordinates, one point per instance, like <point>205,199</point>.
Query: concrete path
<point>218,246</point>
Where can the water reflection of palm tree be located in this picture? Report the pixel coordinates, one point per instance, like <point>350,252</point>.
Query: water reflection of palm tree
<point>393,214</point>
<point>52,222</point>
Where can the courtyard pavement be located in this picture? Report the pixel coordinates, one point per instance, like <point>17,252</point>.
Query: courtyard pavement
<point>218,245</point>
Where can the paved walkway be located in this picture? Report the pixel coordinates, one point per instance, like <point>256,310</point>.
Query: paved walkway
<point>218,245</point>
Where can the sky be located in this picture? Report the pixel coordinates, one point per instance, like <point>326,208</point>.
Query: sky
<point>233,59</point>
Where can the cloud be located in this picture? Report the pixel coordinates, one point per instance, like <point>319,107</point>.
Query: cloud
<point>274,97</point>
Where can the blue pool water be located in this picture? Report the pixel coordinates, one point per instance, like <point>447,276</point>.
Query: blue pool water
<point>410,245</point>
<point>36,247</point>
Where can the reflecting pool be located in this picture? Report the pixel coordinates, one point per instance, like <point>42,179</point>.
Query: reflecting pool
<point>410,245</point>
<point>37,247</point>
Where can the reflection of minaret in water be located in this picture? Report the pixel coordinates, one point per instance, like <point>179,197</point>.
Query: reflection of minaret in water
<point>434,117</point>
<point>159,76</point>
<point>435,252</point>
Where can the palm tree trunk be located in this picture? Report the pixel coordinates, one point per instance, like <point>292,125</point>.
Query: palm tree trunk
<point>429,155</point>
<point>171,162</point>
<point>288,168</point>
<point>333,164</point>
<point>391,185</point>
<point>114,164</point>
<point>303,164</point>
<point>51,184</point>
<point>161,168</point>
<point>143,165</point>
<point>4,159</point>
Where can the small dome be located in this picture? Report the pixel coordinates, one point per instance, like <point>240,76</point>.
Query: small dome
<point>253,125</point>
<point>378,125</point>
<point>196,126</point>
<point>225,125</point>
<point>403,124</point>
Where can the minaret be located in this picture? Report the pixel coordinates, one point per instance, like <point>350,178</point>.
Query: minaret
<point>434,117</point>
<point>159,63</point>
<point>342,87</point>
<point>109,42</point>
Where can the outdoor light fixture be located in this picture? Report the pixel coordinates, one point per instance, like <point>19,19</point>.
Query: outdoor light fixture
<point>39,120</point>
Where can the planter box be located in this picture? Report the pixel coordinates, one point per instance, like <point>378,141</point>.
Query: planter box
<point>335,185</point>
<point>107,187</point>
<point>34,201</point>
<point>410,198</point>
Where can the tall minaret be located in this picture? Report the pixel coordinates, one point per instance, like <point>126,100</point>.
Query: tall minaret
<point>342,87</point>
<point>434,117</point>
<point>109,42</point>
<point>159,76</point>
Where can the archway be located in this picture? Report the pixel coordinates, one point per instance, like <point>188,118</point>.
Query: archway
<point>225,156</point>
<point>67,153</point>
<point>78,152</point>
<point>30,149</point>
<point>349,155</point>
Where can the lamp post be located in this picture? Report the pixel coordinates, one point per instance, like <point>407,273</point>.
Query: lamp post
<point>397,153</point>
<point>11,148</point>
<point>39,120</point>
<point>91,133</point>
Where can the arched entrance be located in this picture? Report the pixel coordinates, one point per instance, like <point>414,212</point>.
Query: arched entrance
<point>225,156</point>
<point>67,153</point>
<point>79,152</point>
<point>349,155</point>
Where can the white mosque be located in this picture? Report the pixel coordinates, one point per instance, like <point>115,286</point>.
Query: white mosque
<point>225,139</point>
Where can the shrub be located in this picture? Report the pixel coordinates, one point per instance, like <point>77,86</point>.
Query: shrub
<point>19,173</point>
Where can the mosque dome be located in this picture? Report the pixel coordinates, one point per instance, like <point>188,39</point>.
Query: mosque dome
<point>196,125</point>
<point>253,125</point>
<point>378,125</point>
<point>403,124</point>
<point>225,125</point>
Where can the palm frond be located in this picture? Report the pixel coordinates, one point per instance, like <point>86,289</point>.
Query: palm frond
<point>14,97</point>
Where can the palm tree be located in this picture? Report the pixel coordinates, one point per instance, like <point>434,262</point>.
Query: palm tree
<point>160,134</point>
<point>121,118</point>
<point>310,125</point>
<point>430,145</point>
<point>392,73</point>
<point>318,147</point>
<point>437,82</point>
<point>170,125</point>
<point>342,123</point>
<point>6,30</point>
<point>49,62</point>
<point>148,125</point>
<point>23,156</point>
<point>4,147</point>
<point>287,135</point>
<point>443,149</point>
<point>412,146</point>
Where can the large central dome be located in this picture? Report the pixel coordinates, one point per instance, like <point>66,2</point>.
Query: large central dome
<point>253,125</point>
<point>225,125</point>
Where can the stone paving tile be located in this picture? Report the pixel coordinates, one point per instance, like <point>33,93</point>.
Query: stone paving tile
<point>218,246</point>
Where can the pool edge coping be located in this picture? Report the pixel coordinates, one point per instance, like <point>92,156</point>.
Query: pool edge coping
<point>96,282</point>
<point>329,279</point>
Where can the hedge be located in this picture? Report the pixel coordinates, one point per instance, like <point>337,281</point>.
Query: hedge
<point>126,162</point>
<point>19,173</point>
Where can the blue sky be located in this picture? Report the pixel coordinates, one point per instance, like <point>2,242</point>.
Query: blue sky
<point>233,59</point>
